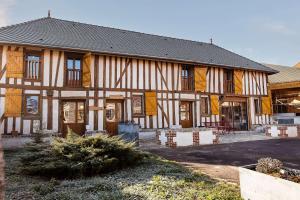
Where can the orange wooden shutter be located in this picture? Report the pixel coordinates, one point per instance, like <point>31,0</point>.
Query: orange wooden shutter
<point>14,65</point>
<point>13,102</point>
<point>200,79</point>
<point>86,71</point>
<point>150,103</point>
<point>238,81</point>
<point>266,106</point>
<point>214,103</point>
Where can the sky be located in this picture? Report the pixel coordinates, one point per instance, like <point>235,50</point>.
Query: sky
<point>263,30</point>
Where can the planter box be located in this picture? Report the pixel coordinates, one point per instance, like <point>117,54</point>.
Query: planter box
<point>258,186</point>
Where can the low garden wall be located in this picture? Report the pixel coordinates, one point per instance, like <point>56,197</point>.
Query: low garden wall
<point>186,137</point>
<point>283,131</point>
<point>256,186</point>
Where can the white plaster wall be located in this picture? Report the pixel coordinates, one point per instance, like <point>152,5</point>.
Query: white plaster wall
<point>100,71</point>
<point>46,63</point>
<point>26,127</point>
<point>45,111</point>
<point>292,131</point>
<point>100,115</point>
<point>90,123</point>
<point>73,93</point>
<point>206,137</point>
<point>163,138</point>
<point>55,115</point>
<point>184,138</point>
<point>4,60</point>
<point>274,131</point>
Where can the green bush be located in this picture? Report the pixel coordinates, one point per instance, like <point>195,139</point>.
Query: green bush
<point>77,156</point>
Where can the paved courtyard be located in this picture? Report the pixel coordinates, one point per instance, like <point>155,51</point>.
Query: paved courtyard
<point>221,161</point>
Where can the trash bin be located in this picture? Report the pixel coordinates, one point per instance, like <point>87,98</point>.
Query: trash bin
<point>129,132</point>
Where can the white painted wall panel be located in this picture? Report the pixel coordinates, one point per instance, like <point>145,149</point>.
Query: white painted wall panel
<point>46,69</point>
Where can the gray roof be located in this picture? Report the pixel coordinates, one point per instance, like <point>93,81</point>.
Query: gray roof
<point>57,33</point>
<point>286,74</point>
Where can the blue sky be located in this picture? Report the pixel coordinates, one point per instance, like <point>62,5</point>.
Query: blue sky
<point>263,30</point>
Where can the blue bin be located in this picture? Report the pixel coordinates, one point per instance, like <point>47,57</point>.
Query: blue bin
<point>129,132</point>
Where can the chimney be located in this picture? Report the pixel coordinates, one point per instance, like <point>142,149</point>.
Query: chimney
<point>49,13</point>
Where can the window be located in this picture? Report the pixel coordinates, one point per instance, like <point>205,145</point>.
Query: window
<point>31,105</point>
<point>74,70</point>
<point>187,78</point>
<point>73,112</point>
<point>138,105</point>
<point>228,81</point>
<point>204,106</point>
<point>33,66</point>
<point>257,106</point>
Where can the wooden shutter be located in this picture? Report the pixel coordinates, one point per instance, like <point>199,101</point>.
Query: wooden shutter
<point>150,103</point>
<point>266,106</point>
<point>14,68</point>
<point>214,104</point>
<point>200,79</point>
<point>238,81</point>
<point>86,71</point>
<point>13,102</point>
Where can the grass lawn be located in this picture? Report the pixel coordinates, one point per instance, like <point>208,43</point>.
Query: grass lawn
<point>153,179</point>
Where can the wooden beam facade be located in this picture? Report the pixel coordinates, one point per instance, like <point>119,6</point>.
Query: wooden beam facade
<point>116,76</point>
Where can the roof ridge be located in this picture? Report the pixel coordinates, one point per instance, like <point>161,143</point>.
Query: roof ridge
<point>22,23</point>
<point>138,32</point>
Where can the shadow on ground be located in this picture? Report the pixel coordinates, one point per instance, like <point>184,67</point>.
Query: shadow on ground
<point>218,160</point>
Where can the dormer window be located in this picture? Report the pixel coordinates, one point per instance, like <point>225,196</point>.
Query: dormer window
<point>228,81</point>
<point>187,78</point>
<point>33,66</point>
<point>73,70</point>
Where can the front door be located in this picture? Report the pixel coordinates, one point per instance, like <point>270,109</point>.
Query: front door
<point>234,114</point>
<point>73,116</point>
<point>186,114</point>
<point>114,115</point>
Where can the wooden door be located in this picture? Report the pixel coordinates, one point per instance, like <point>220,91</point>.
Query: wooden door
<point>73,116</point>
<point>114,115</point>
<point>186,114</point>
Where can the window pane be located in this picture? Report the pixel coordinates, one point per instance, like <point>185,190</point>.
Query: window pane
<point>137,102</point>
<point>110,112</point>
<point>70,63</point>
<point>70,112</point>
<point>204,105</point>
<point>32,67</point>
<point>33,58</point>
<point>32,105</point>
<point>77,64</point>
<point>80,114</point>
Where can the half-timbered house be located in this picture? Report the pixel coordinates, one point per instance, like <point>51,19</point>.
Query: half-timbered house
<point>56,73</point>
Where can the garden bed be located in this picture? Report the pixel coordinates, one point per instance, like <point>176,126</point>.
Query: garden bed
<point>154,179</point>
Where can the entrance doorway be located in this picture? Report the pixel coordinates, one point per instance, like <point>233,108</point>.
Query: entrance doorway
<point>114,115</point>
<point>186,114</point>
<point>73,116</point>
<point>234,114</point>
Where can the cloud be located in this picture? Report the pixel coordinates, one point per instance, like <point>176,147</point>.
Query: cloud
<point>277,27</point>
<point>4,8</point>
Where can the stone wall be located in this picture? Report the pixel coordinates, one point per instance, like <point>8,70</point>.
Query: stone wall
<point>283,131</point>
<point>175,138</point>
